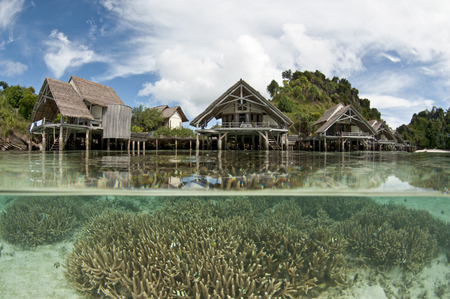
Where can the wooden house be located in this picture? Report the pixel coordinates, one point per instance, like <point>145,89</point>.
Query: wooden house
<point>384,138</point>
<point>244,120</point>
<point>174,117</point>
<point>341,125</point>
<point>88,112</point>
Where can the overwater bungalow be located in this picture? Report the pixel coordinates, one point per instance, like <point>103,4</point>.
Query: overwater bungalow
<point>245,120</point>
<point>384,138</point>
<point>79,113</point>
<point>341,128</point>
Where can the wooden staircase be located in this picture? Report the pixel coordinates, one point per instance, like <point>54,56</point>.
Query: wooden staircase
<point>65,136</point>
<point>273,142</point>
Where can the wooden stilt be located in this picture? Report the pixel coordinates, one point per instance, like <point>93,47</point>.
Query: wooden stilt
<point>87,140</point>
<point>43,142</point>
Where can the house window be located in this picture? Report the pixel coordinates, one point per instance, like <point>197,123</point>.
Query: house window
<point>242,105</point>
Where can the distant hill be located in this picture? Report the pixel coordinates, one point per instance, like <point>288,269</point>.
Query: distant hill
<point>429,129</point>
<point>305,96</point>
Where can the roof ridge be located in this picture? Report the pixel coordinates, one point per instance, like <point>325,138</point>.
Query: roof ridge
<point>92,82</point>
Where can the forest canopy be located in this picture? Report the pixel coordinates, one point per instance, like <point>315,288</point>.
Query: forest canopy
<point>16,106</point>
<point>305,96</point>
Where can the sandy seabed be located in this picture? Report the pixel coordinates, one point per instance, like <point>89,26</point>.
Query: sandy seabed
<point>33,273</point>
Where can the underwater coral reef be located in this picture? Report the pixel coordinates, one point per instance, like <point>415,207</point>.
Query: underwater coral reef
<point>246,247</point>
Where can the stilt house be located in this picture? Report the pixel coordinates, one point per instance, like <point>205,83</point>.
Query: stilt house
<point>88,112</point>
<point>384,138</point>
<point>245,120</point>
<point>341,125</point>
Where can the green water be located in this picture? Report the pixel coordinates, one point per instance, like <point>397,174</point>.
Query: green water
<point>378,220</point>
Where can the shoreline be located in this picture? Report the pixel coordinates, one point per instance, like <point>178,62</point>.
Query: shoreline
<point>433,151</point>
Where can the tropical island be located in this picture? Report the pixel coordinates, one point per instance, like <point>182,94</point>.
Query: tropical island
<point>303,96</point>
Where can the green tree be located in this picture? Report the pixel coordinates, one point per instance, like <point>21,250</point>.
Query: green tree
<point>273,88</point>
<point>13,95</point>
<point>146,118</point>
<point>4,85</point>
<point>287,75</point>
<point>286,104</point>
<point>27,103</point>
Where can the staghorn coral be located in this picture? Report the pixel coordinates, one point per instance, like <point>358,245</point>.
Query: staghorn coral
<point>30,221</point>
<point>199,249</point>
<point>393,235</point>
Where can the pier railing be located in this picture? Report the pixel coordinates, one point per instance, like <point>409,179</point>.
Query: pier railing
<point>351,134</point>
<point>263,124</point>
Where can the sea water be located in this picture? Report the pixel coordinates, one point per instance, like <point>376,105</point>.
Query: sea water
<point>322,188</point>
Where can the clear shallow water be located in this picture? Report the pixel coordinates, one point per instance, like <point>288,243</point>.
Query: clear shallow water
<point>392,203</point>
<point>300,172</point>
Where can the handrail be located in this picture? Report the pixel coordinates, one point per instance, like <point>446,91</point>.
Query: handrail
<point>263,124</point>
<point>350,134</point>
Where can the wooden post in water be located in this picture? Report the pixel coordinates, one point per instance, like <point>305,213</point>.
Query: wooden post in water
<point>43,141</point>
<point>128,146</point>
<point>108,144</point>
<point>325,143</point>
<point>266,145</point>
<point>132,146</point>
<point>176,142</point>
<point>61,145</point>
<point>197,144</point>
<point>219,142</point>
<point>87,140</point>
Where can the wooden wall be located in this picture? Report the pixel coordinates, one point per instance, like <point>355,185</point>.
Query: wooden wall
<point>116,121</point>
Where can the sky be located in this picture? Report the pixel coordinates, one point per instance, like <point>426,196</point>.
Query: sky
<point>187,53</point>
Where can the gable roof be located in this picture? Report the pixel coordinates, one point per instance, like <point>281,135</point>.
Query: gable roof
<point>240,90</point>
<point>57,96</point>
<point>380,126</point>
<point>328,114</point>
<point>336,113</point>
<point>167,111</point>
<point>95,93</point>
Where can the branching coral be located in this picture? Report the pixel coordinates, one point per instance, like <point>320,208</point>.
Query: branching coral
<point>392,235</point>
<point>186,250</point>
<point>33,221</point>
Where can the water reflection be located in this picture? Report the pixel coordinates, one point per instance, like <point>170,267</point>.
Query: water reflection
<point>225,170</point>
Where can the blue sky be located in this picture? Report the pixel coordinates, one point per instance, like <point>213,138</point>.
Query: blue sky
<point>187,53</point>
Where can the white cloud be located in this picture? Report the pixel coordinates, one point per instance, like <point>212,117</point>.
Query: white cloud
<point>195,83</point>
<point>391,58</point>
<point>385,101</point>
<point>199,48</point>
<point>8,10</point>
<point>397,111</point>
<point>10,68</point>
<point>62,54</point>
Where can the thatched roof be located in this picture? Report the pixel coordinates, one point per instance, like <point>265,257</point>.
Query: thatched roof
<point>248,93</point>
<point>328,114</point>
<point>337,112</point>
<point>57,96</point>
<point>167,111</point>
<point>380,126</point>
<point>95,93</point>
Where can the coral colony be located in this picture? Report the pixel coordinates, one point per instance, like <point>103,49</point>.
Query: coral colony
<point>219,247</point>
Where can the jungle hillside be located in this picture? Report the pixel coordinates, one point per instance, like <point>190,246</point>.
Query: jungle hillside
<point>429,129</point>
<point>305,96</point>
